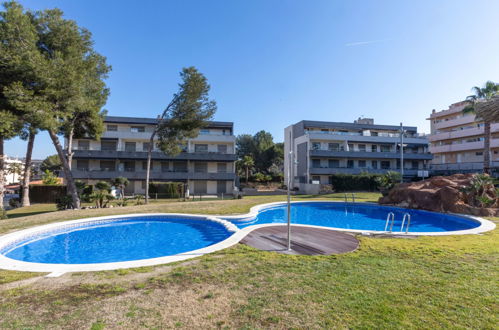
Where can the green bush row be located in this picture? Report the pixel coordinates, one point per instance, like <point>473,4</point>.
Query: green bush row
<point>359,182</point>
<point>166,189</point>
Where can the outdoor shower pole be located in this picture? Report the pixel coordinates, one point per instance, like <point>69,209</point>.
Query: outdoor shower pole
<point>290,161</point>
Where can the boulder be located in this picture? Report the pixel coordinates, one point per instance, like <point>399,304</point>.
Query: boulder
<point>440,194</point>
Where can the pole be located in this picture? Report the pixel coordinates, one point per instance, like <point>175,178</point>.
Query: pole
<point>401,153</point>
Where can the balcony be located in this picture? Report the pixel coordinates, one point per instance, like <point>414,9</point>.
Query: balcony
<point>463,120</point>
<point>155,175</point>
<point>462,133</point>
<point>389,138</point>
<point>369,155</point>
<point>465,167</point>
<point>346,170</point>
<point>156,155</point>
<point>478,145</point>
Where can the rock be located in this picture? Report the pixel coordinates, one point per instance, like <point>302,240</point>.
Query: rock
<point>440,194</point>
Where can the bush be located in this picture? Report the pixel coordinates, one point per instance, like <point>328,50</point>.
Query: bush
<point>166,189</point>
<point>14,202</point>
<point>64,203</point>
<point>348,182</point>
<point>49,178</point>
<point>388,181</point>
<point>3,214</point>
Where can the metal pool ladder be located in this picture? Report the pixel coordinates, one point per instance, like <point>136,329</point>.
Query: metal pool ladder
<point>346,198</point>
<point>408,217</point>
<point>390,217</point>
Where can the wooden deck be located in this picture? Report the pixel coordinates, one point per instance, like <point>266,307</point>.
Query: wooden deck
<point>304,241</point>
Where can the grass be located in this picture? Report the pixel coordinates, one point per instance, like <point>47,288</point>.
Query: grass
<point>428,282</point>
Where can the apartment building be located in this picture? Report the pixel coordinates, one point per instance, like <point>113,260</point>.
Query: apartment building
<point>322,149</point>
<point>207,164</point>
<point>456,141</point>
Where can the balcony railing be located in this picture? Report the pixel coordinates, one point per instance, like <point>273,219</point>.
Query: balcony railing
<point>155,175</point>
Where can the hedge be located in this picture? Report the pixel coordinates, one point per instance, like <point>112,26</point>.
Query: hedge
<point>41,193</point>
<point>166,189</point>
<point>349,182</point>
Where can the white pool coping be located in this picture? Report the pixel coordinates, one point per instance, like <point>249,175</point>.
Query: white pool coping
<point>238,234</point>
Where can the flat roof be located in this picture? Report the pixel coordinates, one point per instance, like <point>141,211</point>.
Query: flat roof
<point>330,124</point>
<point>152,121</point>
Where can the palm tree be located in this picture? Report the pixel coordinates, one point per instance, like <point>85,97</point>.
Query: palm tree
<point>15,168</point>
<point>247,162</point>
<point>476,102</point>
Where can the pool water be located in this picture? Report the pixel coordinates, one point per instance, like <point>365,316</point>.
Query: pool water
<point>119,240</point>
<point>357,217</point>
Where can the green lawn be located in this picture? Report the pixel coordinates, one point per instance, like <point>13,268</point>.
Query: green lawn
<point>427,282</point>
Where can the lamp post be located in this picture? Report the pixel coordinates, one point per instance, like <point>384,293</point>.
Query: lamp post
<point>290,161</point>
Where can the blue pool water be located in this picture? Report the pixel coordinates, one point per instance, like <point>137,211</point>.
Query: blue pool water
<point>119,240</point>
<point>358,217</point>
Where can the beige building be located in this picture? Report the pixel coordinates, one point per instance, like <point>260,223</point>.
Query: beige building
<point>456,141</point>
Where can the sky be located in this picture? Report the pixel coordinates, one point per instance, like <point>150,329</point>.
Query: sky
<point>272,63</point>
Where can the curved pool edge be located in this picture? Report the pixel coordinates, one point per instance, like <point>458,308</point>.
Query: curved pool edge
<point>485,225</point>
<point>17,265</point>
<point>236,237</point>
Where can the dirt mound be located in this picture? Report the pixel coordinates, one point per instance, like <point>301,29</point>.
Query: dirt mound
<point>446,194</point>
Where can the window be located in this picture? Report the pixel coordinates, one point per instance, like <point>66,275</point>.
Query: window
<point>180,167</point>
<point>221,167</point>
<point>143,184</point>
<point>112,128</point>
<point>108,145</point>
<point>333,163</point>
<point>129,166</point>
<point>130,146</point>
<point>83,145</point>
<point>200,148</point>
<point>385,164</point>
<point>200,167</point>
<point>316,178</point>
<point>137,129</point>
<point>333,146</point>
<point>349,163</point>
<point>145,146</point>
<point>374,133</point>
<point>350,147</point>
<point>374,148</point>
<point>204,131</point>
<point>165,167</point>
<point>398,163</point>
<point>144,165</point>
<point>415,165</point>
<point>316,145</point>
<point>222,148</point>
<point>479,153</point>
<point>316,163</point>
<point>374,164</point>
<point>107,165</point>
<point>362,147</point>
<point>82,164</point>
<point>362,163</point>
<point>385,148</point>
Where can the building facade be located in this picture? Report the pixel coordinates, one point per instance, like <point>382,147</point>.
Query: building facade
<point>206,165</point>
<point>457,142</point>
<point>322,149</point>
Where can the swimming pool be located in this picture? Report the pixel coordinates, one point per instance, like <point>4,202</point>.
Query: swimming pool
<point>137,240</point>
<point>356,217</point>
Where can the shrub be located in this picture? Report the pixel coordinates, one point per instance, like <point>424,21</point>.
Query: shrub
<point>3,214</point>
<point>348,182</point>
<point>103,185</point>
<point>388,181</point>
<point>64,203</point>
<point>49,178</point>
<point>46,193</point>
<point>14,202</point>
<point>166,189</point>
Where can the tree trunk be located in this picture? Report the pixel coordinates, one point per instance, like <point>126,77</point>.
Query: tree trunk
<point>69,148</point>
<point>486,147</point>
<point>70,183</point>
<point>27,169</point>
<point>2,173</point>
<point>148,170</point>
<point>247,174</point>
